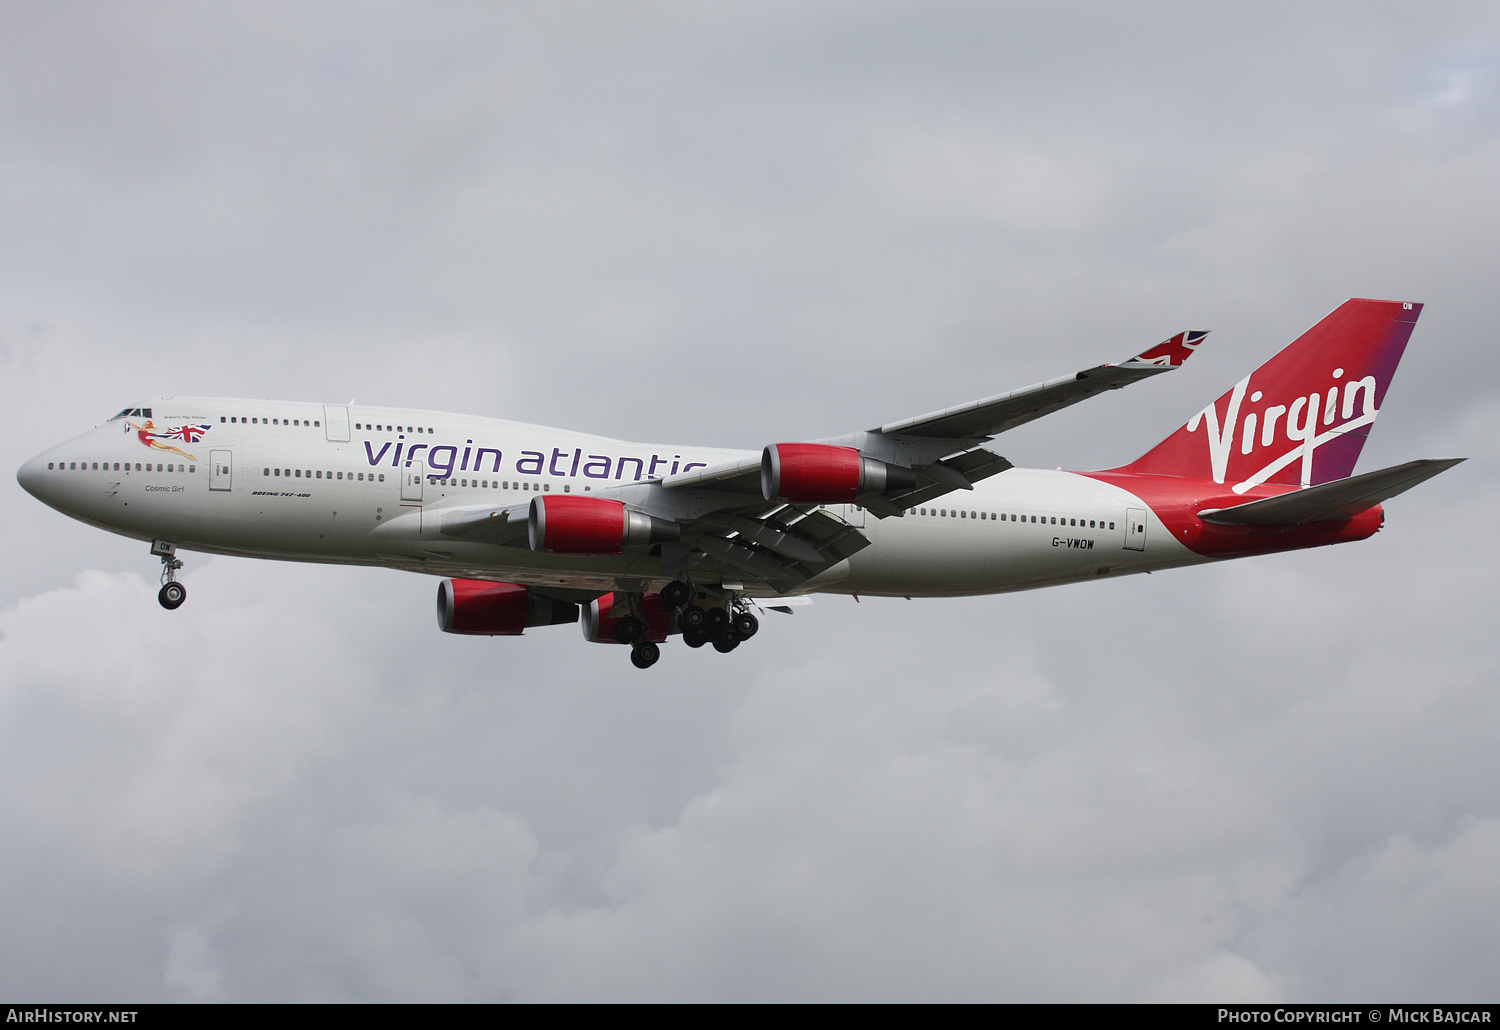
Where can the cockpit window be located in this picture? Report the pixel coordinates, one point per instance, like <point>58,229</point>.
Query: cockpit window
<point>121,414</point>
<point>133,412</point>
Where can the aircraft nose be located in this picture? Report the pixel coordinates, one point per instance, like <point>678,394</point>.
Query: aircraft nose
<point>30,477</point>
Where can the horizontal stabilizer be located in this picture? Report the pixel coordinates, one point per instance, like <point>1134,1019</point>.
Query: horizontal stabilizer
<point>1341,499</point>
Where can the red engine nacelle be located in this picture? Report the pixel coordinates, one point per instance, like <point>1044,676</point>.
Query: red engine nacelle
<point>480,608</point>
<point>592,525</point>
<point>599,625</point>
<point>815,473</point>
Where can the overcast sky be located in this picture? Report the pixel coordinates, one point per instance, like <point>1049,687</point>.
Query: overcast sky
<point>730,224</point>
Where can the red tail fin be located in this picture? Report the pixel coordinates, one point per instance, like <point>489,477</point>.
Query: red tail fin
<point>1302,417</point>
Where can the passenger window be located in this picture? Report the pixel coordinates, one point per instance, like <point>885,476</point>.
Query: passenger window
<point>382,477</point>
<point>1111,525</point>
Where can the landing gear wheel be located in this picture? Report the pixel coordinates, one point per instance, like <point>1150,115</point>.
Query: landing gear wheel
<point>718,618</point>
<point>629,629</point>
<point>725,644</point>
<point>693,617</point>
<point>171,595</point>
<point>745,624</point>
<point>644,655</point>
<point>694,637</point>
<point>675,594</point>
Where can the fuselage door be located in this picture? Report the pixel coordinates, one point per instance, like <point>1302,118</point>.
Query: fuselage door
<point>221,465</point>
<point>1135,529</point>
<point>336,422</point>
<point>411,480</point>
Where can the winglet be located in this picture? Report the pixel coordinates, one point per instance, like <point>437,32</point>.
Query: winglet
<point>1170,352</point>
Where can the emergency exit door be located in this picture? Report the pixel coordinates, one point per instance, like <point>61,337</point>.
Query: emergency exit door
<point>1135,529</point>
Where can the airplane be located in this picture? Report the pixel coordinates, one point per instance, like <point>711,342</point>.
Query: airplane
<point>533,526</point>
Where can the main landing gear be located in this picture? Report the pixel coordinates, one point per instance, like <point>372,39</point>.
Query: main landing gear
<point>633,630</point>
<point>172,593</point>
<point>724,627</point>
<point>725,624</point>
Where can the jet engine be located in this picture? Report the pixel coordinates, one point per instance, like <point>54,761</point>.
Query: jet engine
<point>592,525</point>
<point>481,608</point>
<point>815,473</point>
<point>599,625</point>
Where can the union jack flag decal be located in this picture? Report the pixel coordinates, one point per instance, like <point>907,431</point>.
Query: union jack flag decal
<point>187,434</point>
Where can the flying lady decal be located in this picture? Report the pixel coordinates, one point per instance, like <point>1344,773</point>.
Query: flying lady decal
<point>151,437</point>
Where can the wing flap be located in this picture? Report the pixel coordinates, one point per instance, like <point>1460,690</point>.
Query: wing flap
<point>1341,499</point>
<point>966,469</point>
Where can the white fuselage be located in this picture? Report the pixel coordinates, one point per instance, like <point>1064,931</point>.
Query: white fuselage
<point>370,486</point>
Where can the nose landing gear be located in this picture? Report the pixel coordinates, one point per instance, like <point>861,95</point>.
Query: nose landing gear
<point>172,593</point>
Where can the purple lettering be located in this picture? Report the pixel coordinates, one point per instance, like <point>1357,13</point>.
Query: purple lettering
<point>655,461</point>
<point>577,453</point>
<point>640,466</point>
<point>479,459</point>
<point>597,467</point>
<point>531,464</point>
<point>694,465</point>
<point>375,458</point>
<point>395,463</point>
<point>557,452</point>
<point>442,467</point>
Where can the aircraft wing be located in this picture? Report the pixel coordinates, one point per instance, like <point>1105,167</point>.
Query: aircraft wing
<point>991,416</point>
<point>725,514</point>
